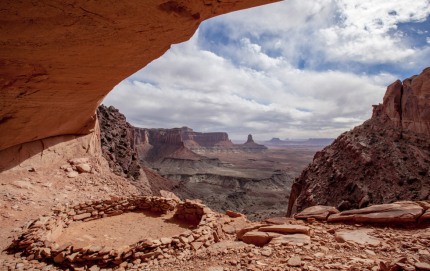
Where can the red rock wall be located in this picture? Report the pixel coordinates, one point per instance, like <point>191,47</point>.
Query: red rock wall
<point>407,104</point>
<point>59,59</point>
<point>207,139</point>
<point>181,136</point>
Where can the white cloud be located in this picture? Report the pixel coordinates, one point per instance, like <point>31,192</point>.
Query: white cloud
<point>365,31</point>
<point>333,30</point>
<point>207,92</point>
<point>286,70</point>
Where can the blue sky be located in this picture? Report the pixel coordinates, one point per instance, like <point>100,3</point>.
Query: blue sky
<point>294,69</point>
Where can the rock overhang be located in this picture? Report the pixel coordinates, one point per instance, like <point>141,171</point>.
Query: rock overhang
<point>59,60</point>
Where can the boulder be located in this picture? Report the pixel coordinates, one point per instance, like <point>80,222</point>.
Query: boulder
<point>424,203</point>
<point>398,212</point>
<point>256,238</point>
<point>278,220</point>
<point>361,237</point>
<point>422,266</point>
<point>252,227</point>
<point>292,239</point>
<point>83,168</point>
<point>78,161</point>
<point>319,212</point>
<point>169,195</point>
<point>425,217</point>
<point>294,261</point>
<point>285,229</point>
<point>72,174</point>
<point>233,214</point>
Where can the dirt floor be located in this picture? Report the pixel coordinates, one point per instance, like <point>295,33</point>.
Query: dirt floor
<point>25,195</point>
<point>125,229</point>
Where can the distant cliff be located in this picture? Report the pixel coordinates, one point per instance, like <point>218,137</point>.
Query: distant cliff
<point>275,142</point>
<point>155,144</point>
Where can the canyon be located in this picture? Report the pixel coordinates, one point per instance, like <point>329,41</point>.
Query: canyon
<point>246,178</point>
<point>62,165</point>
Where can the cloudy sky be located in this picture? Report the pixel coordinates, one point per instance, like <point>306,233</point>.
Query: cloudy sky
<point>294,69</point>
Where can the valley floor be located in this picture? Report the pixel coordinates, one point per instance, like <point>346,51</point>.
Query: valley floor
<point>254,183</point>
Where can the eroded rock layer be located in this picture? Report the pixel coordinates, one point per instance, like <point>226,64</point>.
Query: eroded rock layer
<point>58,59</point>
<point>385,159</point>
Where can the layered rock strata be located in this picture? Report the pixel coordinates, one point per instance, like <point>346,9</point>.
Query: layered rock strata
<point>385,159</point>
<point>185,143</point>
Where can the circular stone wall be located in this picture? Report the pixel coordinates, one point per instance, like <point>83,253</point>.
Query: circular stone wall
<point>40,239</point>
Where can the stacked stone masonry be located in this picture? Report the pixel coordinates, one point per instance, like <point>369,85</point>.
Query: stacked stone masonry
<point>38,240</point>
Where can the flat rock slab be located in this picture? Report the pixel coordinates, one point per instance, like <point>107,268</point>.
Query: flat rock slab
<point>398,212</point>
<point>319,212</point>
<point>249,228</point>
<point>424,203</point>
<point>361,237</point>
<point>425,217</point>
<point>279,220</point>
<point>292,239</point>
<point>233,214</point>
<point>285,229</point>
<point>422,266</point>
<point>256,238</point>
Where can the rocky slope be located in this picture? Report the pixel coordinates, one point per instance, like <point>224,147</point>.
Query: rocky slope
<point>120,151</point>
<point>117,139</point>
<point>385,159</point>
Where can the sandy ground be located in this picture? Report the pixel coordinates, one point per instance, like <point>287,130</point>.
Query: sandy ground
<point>25,195</point>
<point>125,229</point>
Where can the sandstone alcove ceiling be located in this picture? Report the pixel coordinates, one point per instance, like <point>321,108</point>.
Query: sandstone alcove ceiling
<point>59,59</point>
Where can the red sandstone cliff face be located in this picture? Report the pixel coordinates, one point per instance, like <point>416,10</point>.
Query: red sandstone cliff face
<point>184,143</point>
<point>407,104</point>
<point>58,59</point>
<point>154,144</point>
<point>385,159</point>
<point>206,140</point>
